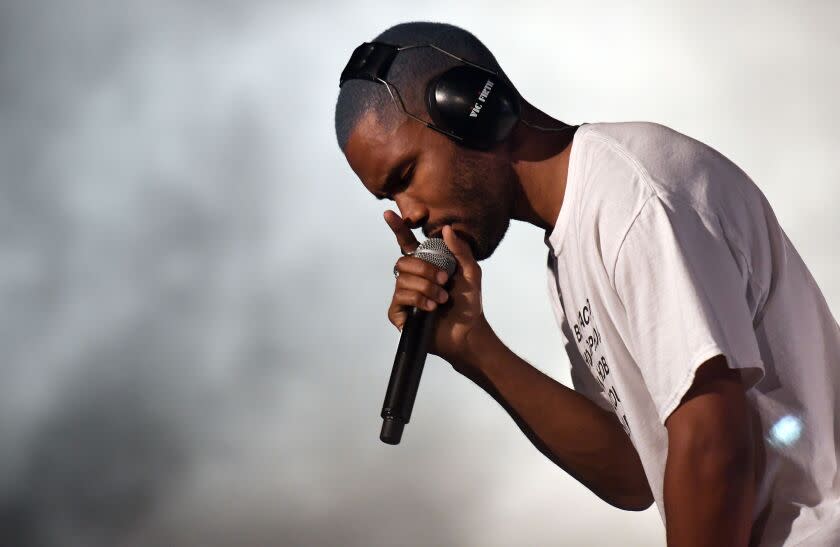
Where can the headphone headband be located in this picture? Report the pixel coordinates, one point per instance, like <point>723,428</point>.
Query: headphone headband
<point>370,61</point>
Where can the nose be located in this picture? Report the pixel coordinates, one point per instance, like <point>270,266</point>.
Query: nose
<point>412,210</point>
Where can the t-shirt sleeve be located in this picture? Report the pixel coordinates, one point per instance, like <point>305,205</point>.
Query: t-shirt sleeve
<point>683,285</point>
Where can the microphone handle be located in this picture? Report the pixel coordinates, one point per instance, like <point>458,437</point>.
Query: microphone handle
<point>405,374</point>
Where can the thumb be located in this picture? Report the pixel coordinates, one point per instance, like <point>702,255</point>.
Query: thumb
<point>459,248</point>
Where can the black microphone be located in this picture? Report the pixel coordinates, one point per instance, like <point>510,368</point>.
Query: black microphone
<point>411,352</point>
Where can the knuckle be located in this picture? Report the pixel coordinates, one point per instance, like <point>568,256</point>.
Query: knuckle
<point>421,264</point>
<point>396,320</point>
<point>407,298</point>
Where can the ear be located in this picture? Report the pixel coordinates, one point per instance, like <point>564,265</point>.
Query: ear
<point>473,104</point>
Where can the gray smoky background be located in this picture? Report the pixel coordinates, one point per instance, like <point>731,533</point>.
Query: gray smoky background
<point>194,283</point>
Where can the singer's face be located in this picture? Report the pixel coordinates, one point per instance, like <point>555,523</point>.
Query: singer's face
<point>434,182</point>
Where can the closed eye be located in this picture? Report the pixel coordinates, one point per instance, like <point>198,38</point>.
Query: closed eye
<point>396,182</point>
<point>405,180</point>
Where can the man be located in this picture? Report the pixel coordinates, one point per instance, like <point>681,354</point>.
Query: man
<point>705,360</point>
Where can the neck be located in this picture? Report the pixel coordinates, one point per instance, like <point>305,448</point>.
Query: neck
<point>541,162</point>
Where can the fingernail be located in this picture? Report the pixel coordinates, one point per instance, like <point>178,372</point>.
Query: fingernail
<point>441,277</point>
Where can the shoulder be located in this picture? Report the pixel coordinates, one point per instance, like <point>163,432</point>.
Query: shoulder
<point>606,170</point>
<point>672,165</point>
<point>631,137</point>
<point>643,150</point>
<point>610,187</point>
<point>651,146</point>
<point>623,168</point>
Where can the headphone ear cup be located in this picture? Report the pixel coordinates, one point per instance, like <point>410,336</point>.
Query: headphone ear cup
<point>473,104</point>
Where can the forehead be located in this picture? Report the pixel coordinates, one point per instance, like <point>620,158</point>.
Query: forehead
<point>373,149</point>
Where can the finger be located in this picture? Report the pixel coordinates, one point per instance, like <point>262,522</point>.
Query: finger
<point>398,317</point>
<point>461,250</point>
<point>403,299</point>
<point>405,237</point>
<point>415,266</point>
<point>408,298</point>
<point>428,289</point>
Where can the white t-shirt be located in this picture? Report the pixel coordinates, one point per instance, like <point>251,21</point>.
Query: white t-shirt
<point>666,254</point>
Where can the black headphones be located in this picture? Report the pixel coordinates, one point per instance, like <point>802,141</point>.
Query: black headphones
<point>468,103</point>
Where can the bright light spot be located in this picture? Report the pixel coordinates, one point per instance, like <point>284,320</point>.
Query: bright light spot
<point>786,431</point>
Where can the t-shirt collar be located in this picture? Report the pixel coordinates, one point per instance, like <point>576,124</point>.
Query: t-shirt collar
<point>555,237</point>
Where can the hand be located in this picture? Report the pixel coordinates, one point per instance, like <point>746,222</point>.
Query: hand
<point>460,317</point>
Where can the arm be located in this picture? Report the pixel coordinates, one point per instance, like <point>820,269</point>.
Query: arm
<point>709,483</point>
<point>684,284</point>
<point>585,440</point>
<point>573,432</point>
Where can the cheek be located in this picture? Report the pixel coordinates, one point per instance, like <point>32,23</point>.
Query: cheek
<point>478,185</point>
<point>469,178</point>
<point>487,183</point>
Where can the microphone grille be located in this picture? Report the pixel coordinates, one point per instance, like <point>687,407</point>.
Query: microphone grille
<point>435,252</point>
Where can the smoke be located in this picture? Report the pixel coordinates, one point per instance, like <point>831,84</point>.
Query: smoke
<point>153,377</point>
<point>130,237</point>
<point>97,466</point>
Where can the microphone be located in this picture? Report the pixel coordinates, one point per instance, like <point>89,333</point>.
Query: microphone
<point>411,351</point>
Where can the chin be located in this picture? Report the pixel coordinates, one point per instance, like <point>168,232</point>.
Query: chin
<point>481,253</point>
<point>482,245</point>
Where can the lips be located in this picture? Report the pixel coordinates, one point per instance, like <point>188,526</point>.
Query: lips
<point>464,235</point>
<point>439,232</point>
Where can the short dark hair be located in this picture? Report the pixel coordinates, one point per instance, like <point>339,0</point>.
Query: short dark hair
<point>409,73</point>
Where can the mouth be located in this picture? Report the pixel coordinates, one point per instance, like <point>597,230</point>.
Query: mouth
<point>438,232</point>
<point>464,236</point>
